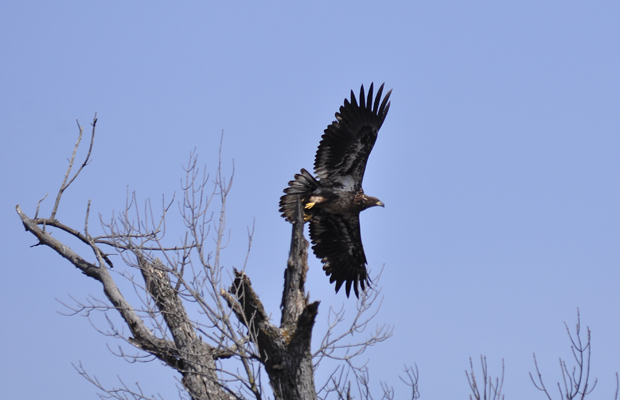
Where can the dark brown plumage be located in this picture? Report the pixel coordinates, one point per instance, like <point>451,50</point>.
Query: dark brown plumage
<point>334,199</point>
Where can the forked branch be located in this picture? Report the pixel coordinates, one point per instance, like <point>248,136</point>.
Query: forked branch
<point>491,389</point>
<point>66,184</point>
<point>576,380</point>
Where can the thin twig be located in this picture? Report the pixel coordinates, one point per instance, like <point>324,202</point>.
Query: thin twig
<point>66,184</point>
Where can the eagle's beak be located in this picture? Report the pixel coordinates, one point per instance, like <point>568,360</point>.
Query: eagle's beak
<point>380,203</point>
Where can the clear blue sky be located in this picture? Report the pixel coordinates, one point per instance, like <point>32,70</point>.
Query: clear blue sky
<point>498,163</point>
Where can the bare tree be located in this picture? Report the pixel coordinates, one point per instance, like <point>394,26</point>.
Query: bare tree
<point>576,380</point>
<point>491,390</point>
<point>223,352</point>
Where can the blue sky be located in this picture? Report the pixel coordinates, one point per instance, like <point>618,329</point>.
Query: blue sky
<point>498,164</point>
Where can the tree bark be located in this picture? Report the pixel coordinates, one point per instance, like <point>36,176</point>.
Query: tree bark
<point>196,362</point>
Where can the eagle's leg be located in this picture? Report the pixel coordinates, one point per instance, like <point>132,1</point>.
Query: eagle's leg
<point>310,208</point>
<point>308,213</point>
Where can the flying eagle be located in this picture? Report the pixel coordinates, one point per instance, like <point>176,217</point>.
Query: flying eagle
<point>334,199</point>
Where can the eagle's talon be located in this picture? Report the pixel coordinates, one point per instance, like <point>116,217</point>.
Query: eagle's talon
<point>309,205</point>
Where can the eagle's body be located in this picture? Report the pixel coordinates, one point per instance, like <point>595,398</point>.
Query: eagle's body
<point>334,199</point>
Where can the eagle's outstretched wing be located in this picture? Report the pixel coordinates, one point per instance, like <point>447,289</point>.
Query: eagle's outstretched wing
<point>337,241</point>
<point>347,142</point>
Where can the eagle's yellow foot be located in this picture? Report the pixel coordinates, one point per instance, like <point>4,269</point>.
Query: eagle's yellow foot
<point>309,205</point>
<point>307,217</point>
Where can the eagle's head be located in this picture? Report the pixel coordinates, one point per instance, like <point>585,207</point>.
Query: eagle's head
<point>369,201</point>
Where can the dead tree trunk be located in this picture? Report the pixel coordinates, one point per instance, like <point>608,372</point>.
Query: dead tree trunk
<point>161,325</point>
<point>285,350</point>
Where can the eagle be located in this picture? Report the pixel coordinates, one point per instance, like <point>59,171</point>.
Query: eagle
<point>333,199</point>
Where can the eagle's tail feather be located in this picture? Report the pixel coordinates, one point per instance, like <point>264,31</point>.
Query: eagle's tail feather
<point>303,185</point>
